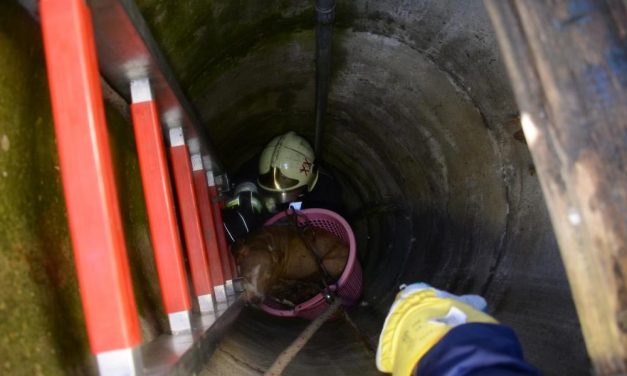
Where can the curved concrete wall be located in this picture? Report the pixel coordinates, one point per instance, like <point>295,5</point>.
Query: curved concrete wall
<point>423,133</point>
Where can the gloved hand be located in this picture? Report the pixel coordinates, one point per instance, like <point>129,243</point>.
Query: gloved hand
<point>420,316</point>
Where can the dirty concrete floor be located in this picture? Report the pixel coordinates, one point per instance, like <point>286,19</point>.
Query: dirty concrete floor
<point>336,349</point>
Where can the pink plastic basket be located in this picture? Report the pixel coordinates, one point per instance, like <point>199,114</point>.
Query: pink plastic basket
<point>349,285</point>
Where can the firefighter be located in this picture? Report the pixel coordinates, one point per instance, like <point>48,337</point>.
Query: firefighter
<point>429,332</point>
<point>285,174</point>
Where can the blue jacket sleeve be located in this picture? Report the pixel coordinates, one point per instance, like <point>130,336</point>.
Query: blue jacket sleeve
<point>476,349</point>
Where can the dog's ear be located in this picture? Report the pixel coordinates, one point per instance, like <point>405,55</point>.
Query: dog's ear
<point>239,249</point>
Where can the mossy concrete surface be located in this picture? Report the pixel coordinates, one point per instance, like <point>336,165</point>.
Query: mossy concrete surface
<point>42,331</point>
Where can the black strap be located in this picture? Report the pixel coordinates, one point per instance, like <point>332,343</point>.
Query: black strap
<point>324,273</point>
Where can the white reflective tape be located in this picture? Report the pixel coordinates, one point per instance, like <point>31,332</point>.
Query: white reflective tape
<point>229,287</point>
<point>222,302</point>
<point>206,304</point>
<point>180,322</point>
<point>243,221</point>
<point>210,179</point>
<point>140,91</point>
<point>229,233</point>
<point>176,137</point>
<point>196,162</point>
<point>220,293</point>
<point>127,362</point>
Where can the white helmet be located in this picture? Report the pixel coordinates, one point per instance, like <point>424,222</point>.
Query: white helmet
<point>286,167</point>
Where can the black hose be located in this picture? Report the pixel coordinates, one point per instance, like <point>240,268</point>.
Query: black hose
<point>325,14</point>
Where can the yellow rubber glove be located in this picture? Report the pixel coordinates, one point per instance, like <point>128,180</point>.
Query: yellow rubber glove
<point>420,316</point>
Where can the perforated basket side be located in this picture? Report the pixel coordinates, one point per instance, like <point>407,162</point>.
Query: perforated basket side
<point>349,285</point>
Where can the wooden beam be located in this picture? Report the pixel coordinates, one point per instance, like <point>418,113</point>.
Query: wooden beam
<point>567,60</point>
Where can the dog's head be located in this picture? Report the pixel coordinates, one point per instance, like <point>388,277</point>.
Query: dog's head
<point>257,266</point>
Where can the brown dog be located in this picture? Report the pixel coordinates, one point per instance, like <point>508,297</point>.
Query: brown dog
<point>275,255</point>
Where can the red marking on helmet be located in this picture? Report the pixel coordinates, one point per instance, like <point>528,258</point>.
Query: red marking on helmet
<point>306,167</point>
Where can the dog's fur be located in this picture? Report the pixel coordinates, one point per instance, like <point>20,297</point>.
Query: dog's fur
<point>278,253</point>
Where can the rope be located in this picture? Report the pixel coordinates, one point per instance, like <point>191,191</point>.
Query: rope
<point>295,347</point>
<point>324,273</point>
